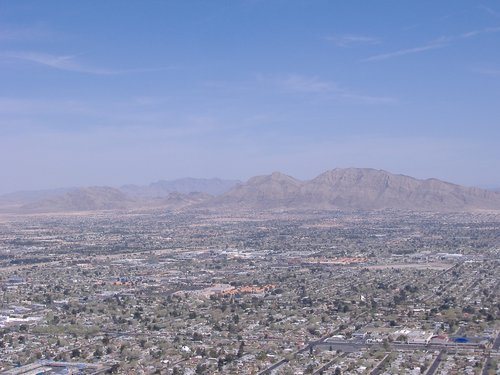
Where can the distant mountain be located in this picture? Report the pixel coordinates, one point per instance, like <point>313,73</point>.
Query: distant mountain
<point>162,188</point>
<point>275,190</point>
<point>176,194</point>
<point>176,201</point>
<point>344,189</point>
<point>94,198</point>
<point>101,198</point>
<point>355,188</point>
<point>28,196</point>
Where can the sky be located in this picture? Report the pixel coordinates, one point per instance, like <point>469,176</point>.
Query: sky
<point>117,92</point>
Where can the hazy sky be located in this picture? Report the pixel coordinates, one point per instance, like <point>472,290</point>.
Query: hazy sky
<point>113,92</point>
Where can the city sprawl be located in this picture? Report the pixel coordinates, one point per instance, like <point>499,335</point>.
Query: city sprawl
<point>383,292</point>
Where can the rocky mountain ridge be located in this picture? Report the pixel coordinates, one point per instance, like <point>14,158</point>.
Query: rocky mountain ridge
<point>337,189</point>
<point>359,189</point>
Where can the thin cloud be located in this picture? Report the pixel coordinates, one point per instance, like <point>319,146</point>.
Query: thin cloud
<point>369,99</point>
<point>488,30</point>
<point>439,43</point>
<point>17,33</point>
<point>493,72</point>
<point>68,63</point>
<point>296,83</point>
<point>37,106</point>
<point>407,51</point>
<point>349,40</point>
<point>300,83</point>
<point>490,11</point>
<point>151,100</point>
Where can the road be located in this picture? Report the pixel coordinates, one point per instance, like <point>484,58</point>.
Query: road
<point>354,346</point>
<point>435,364</point>
<point>496,344</point>
<point>486,366</point>
<point>329,364</point>
<point>379,366</point>
<point>273,367</point>
<point>301,350</point>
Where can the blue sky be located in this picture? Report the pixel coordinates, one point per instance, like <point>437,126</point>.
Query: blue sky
<point>116,92</point>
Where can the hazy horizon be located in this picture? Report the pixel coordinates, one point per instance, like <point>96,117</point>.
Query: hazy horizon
<point>114,93</point>
<point>242,180</point>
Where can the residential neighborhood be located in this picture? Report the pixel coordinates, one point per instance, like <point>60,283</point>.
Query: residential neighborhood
<point>255,293</point>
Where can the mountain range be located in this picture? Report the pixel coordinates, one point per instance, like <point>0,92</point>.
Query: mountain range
<point>359,189</point>
<point>162,188</point>
<point>338,189</point>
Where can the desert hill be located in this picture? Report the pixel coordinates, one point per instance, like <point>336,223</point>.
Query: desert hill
<point>163,188</point>
<point>356,188</point>
<point>337,189</point>
<point>95,198</point>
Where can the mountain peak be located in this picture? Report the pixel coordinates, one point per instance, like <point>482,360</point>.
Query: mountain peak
<point>340,188</point>
<point>275,177</point>
<point>358,188</point>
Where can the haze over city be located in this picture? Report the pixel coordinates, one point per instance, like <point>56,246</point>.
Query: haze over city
<point>118,92</point>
